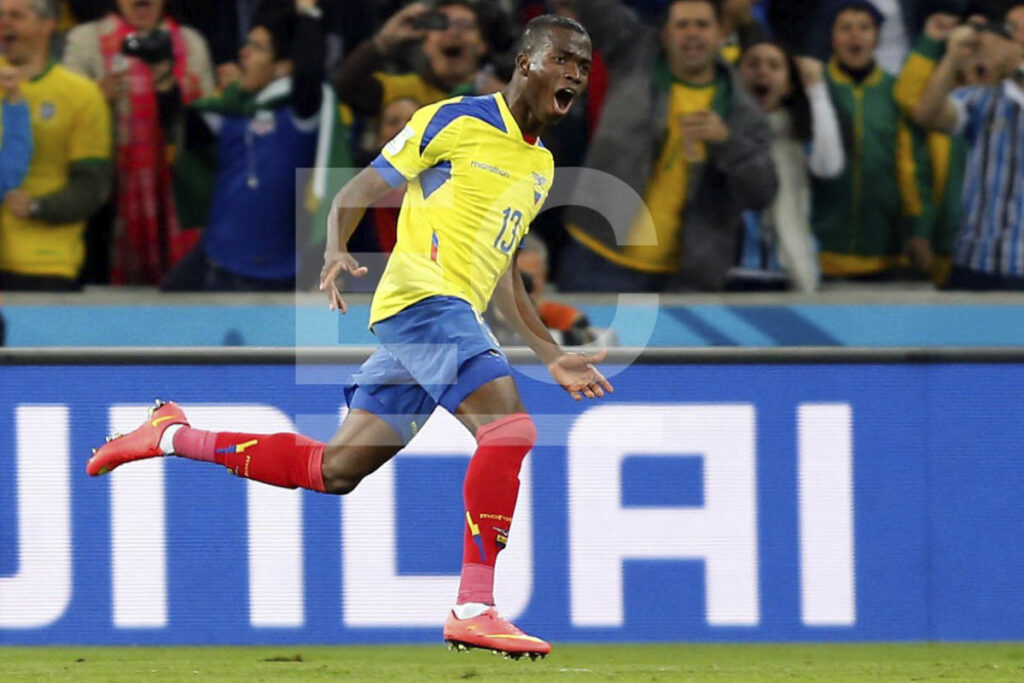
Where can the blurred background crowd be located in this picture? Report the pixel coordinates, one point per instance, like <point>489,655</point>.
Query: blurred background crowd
<point>775,144</point>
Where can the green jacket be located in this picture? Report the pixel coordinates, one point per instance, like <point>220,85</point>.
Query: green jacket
<point>861,213</point>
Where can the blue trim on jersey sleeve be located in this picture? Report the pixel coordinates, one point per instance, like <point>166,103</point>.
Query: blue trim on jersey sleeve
<point>391,175</point>
<point>483,108</point>
<point>433,178</point>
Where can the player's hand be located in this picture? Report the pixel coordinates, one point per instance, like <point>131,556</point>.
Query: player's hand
<point>705,126</point>
<point>812,71</point>
<point>576,373</point>
<point>19,203</point>
<point>9,83</point>
<point>399,29</point>
<point>940,25</point>
<point>342,262</point>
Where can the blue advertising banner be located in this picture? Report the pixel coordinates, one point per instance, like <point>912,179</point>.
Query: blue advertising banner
<point>700,502</point>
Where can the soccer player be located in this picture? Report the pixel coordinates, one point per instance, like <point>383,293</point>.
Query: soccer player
<point>477,176</point>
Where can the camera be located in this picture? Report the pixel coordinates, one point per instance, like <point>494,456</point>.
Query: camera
<point>152,47</point>
<point>431,21</point>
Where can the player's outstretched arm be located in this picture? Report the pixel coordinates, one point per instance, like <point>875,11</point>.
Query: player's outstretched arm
<point>574,372</point>
<point>347,210</point>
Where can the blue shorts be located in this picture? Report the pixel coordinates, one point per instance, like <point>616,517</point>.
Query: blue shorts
<point>436,352</point>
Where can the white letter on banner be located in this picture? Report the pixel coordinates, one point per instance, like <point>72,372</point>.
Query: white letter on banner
<point>138,535</point>
<point>276,582</point>
<point>39,593</point>
<point>373,594</point>
<point>723,533</point>
<point>827,576</point>
<point>276,588</point>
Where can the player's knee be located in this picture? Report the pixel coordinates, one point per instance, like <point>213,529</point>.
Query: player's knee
<point>340,477</point>
<point>517,429</point>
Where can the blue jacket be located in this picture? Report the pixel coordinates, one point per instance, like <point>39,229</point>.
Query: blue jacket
<point>15,146</point>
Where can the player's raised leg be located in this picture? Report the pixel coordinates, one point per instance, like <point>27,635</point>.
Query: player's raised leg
<point>494,413</point>
<point>364,442</point>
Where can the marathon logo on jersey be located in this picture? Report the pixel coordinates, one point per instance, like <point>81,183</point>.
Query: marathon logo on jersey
<point>491,169</point>
<point>398,142</point>
<point>264,123</point>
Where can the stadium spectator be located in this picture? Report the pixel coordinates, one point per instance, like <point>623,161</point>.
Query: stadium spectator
<point>16,141</point>
<point>778,247</point>
<point>265,127</point>
<point>858,217</point>
<point>138,55</point>
<point>567,323</point>
<point>225,24</point>
<point>43,220</point>
<point>379,228</point>
<point>681,131</point>
<point>803,27</point>
<point>988,252</point>
<point>931,240</point>
<point>16,127</point>
<point>453,50</point>
<point>1015,21</point>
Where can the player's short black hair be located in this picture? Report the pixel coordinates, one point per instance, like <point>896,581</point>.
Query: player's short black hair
<point>716,5</point>
<point>539,26</point>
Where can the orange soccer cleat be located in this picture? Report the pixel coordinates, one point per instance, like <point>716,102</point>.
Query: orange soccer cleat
<point>139,444</point>
<point>490,631</point>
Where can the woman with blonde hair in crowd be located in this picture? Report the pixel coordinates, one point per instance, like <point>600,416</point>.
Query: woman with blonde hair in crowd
<point>142,57</point>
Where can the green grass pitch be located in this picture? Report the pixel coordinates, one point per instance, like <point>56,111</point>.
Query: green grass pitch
<point>747,663</point>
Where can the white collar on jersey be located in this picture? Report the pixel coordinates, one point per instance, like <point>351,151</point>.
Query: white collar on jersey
<point>1013,91</point>
<point>276,89</point>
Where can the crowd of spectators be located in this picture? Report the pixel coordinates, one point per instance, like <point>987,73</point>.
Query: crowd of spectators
<point>762,144</point>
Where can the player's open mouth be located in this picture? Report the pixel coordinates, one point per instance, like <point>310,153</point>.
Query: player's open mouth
<point>452,51</point>
<point>563,100</point>
<point>8,39</point>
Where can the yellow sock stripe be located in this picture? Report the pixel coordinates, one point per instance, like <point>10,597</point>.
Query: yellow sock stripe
<point>240,448</point>
<point>473,528</point>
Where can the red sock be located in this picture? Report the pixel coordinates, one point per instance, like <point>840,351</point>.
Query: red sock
<point>490,490</point>
<point>288,460</point>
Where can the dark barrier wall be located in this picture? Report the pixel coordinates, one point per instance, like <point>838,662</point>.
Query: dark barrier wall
<point>762,500</point>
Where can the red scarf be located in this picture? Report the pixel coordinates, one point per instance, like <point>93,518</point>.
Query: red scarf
<point>147,237</point>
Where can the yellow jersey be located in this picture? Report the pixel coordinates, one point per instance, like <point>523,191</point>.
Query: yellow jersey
<point>70,124</point>
<point>475,184</point>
